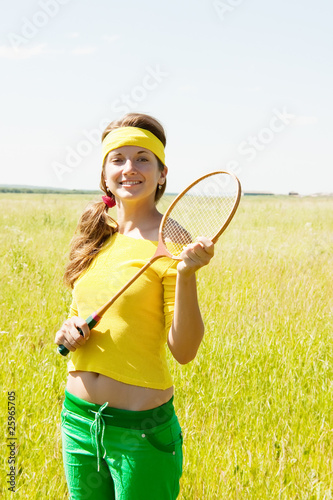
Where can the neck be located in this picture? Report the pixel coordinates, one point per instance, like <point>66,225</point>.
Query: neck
<point>138,219</point>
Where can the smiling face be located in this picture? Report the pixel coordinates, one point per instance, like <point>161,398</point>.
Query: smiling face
<point>132,173</point>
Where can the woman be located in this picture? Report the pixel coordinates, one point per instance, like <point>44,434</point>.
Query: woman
<point>121,437</point>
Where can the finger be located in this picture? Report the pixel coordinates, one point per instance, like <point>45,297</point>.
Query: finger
<point>192,261</point>
<point>198,253</point>
<point>203,243</point>
<point>80,323</point>
<point>73,338</point>
<point>207,244</point>
<point>63,338</point>
<point>70,336</point>
<point>195,255</point>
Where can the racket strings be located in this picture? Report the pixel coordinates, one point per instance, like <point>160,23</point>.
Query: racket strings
<point>201,211</point>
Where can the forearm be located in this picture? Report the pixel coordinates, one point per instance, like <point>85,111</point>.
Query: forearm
<point>187,328</point>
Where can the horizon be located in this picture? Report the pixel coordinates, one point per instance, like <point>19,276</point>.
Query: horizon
<point>169,193</point>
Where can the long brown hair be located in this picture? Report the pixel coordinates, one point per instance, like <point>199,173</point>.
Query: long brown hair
<point>95,225</point>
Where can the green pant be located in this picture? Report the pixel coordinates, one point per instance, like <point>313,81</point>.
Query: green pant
<point>112,454</point>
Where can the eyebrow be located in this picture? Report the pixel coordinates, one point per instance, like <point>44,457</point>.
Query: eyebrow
<point>112,153</point>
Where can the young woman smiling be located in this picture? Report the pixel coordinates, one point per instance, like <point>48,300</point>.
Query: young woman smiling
<point>121,436</point>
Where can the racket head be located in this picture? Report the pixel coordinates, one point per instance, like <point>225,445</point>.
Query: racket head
<point>205,208</point>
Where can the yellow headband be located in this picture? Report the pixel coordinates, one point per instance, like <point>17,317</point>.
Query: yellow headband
<point>133,136</point>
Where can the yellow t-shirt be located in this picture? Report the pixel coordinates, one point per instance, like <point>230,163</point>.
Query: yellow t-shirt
<point>129,343</point>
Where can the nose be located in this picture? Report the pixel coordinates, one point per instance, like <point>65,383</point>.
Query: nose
<point>129,167</point>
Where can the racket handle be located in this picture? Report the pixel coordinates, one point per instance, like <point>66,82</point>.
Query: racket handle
<point>62,350</point>
<point>91,322</point>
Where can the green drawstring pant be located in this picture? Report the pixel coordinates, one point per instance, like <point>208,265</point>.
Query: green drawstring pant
<point>113,454</point>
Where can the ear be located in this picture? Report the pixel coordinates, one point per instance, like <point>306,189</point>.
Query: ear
<point>163,175</point>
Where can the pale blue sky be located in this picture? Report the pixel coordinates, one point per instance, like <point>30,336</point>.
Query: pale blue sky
<point>223,77</point>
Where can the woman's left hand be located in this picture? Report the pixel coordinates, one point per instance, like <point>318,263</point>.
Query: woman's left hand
<point>195,255</point>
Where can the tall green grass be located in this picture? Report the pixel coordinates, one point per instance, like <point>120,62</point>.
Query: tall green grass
<point>256,403</point>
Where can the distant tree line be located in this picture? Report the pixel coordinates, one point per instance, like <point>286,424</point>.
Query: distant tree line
<point>7,189</point>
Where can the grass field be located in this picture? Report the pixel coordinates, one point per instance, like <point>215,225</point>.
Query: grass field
<point>255,405</point>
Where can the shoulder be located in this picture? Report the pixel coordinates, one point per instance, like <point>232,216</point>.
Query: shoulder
<point>175,233</point>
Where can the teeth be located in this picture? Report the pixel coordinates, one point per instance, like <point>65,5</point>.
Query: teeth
<point>130,183</point>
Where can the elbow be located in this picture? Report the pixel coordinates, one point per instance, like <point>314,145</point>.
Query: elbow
<point>185,350</point>
<point>184,360</point>
<point>184,357</point>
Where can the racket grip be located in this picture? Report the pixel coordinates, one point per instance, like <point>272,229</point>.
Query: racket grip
<point>91,322</point>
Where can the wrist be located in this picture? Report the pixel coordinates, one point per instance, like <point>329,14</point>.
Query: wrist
<point>185,274</point>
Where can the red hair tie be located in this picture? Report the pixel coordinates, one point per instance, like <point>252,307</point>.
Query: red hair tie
<point>109,201</point>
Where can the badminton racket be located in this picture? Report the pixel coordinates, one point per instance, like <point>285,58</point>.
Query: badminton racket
<point>204,208</point>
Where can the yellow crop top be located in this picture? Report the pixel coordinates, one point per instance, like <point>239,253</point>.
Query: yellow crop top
<point>129,343</point>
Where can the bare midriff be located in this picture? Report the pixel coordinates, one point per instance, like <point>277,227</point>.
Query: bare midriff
<point>98,389</point>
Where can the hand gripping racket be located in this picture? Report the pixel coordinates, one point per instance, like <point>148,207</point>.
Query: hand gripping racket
<point>205,208</point>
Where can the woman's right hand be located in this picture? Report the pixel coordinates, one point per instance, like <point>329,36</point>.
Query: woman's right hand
<point>69,335</point>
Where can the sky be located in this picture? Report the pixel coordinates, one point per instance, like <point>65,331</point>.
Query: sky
<point>239,85</point>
